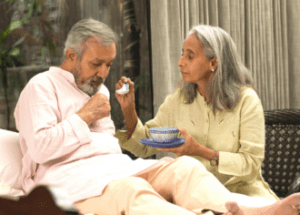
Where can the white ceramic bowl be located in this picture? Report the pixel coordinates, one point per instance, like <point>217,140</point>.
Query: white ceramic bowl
<point>163,134</point>
<point>124,89</point>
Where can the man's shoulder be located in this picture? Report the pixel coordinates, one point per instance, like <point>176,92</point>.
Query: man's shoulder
<point>41,81</point>
<point>45,77</point>
<point>40,78</point>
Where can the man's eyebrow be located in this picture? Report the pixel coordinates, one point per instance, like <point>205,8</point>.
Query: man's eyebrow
<point>97,60</point>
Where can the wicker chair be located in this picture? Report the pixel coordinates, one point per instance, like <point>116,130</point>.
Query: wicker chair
<point>282,154</point>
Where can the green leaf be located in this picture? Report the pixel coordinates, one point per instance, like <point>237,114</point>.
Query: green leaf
<point>39,7</point>
<point>15,25</point>
<point>14,52</point>
<point>18,23</point>
<point>4,34</point>
<point>30,10</point>
<point>51,46</point>
<point>43,51</point>
<point>19,42</point>
<point>12,26</point>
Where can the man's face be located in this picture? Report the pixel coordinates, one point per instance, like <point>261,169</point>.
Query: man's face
<point>91,71</point>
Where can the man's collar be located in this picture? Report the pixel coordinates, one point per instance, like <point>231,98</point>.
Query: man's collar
<point>66,74</point>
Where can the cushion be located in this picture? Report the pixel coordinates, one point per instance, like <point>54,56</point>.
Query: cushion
<point>10,161</point>
<point>9,192</point>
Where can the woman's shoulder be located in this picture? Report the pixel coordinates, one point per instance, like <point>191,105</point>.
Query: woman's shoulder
<point>174,96</point>
<point>248,97</point>
<point>248,92</point>
<point>172,100</point>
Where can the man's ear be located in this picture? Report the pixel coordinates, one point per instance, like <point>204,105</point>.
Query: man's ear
<point>71,55</point>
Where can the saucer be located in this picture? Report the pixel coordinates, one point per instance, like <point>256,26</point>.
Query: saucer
<point>150,142</point>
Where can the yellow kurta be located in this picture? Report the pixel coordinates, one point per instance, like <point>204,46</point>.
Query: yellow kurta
<point>238,135</point>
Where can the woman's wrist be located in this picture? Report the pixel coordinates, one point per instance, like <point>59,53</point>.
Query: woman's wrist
<point>131,118</point>
<point>207,153</point>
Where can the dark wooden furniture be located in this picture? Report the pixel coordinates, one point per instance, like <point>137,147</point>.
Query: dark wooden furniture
<point>40,201</point>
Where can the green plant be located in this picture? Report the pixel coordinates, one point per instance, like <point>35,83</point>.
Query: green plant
<point>10,55</point>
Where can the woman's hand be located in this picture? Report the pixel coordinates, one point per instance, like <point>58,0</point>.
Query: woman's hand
<point>126,100</point>
<point>190,147</point>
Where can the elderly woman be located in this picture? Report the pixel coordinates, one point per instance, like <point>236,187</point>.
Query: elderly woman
<point>215,108</point>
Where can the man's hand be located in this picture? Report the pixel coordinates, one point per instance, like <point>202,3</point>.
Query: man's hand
<point>96,108</point>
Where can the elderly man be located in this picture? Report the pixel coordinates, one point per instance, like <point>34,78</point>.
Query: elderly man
<point>67,138</point>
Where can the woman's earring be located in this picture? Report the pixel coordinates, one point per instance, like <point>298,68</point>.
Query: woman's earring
<point>212,70</point>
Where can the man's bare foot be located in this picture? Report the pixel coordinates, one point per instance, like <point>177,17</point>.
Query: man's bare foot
<point>287,206</point>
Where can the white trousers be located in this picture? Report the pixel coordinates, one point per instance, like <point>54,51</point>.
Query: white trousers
<point>180,187</point>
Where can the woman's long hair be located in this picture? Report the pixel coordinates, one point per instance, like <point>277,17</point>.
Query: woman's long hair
<point>231,74</point>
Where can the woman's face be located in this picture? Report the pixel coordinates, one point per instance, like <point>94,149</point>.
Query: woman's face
<point>194,65</point>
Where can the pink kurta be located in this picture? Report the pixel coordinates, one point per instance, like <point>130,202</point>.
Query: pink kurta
<point>59,148</point>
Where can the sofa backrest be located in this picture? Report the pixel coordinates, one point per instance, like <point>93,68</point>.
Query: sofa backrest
<point>282,151</point>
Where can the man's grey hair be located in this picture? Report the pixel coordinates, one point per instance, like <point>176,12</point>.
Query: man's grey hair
<point>85,29</point>
<point>231,74</point>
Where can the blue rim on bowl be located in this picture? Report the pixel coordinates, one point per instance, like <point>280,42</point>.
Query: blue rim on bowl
<point>163,130</point>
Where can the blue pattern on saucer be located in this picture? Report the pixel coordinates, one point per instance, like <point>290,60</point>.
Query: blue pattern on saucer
<point>150,142</point>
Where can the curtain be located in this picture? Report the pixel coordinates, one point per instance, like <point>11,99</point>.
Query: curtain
<point>266,34</point>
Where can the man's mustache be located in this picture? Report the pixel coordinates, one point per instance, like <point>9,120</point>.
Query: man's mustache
<point>96,79</point>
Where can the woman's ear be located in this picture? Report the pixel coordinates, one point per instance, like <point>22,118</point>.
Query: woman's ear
<point>214,63</point>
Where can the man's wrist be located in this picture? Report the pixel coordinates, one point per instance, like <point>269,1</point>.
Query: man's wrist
<point>85,117</point>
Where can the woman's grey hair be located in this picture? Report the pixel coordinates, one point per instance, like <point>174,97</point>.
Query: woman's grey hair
<point>231,74</point>
<point>86,28</point>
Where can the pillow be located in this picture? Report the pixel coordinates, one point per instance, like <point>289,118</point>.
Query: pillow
<point>9,192</point>
<point>10,161</point>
